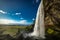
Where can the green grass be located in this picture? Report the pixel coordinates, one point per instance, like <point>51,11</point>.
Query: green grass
<point>12,30</point>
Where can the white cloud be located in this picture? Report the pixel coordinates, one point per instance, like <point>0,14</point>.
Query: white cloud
<point>2,12</point>
<point>23,22</point>
<point>17,13</point>
<point>7,21</point>
<point>33,19</point>
<point>21,18</point>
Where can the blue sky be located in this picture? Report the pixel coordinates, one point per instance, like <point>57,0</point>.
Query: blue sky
<point>18,11</point>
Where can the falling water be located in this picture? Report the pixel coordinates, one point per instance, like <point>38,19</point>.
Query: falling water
<point>39,30</point>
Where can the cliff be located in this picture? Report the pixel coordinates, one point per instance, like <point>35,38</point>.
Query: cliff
<point>52,12</point>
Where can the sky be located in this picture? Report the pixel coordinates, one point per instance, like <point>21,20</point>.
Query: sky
<point>18,11</point>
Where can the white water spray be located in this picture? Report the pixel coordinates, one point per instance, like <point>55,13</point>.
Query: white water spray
<point>39,29</point>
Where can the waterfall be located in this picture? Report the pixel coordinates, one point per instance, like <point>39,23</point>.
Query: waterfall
<point>39,29</point>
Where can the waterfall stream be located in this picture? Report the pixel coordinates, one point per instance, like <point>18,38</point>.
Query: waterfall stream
<point>39,29</point>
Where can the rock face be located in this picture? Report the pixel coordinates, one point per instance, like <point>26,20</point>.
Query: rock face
<point>52,12</point>
<point>52,17</point>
